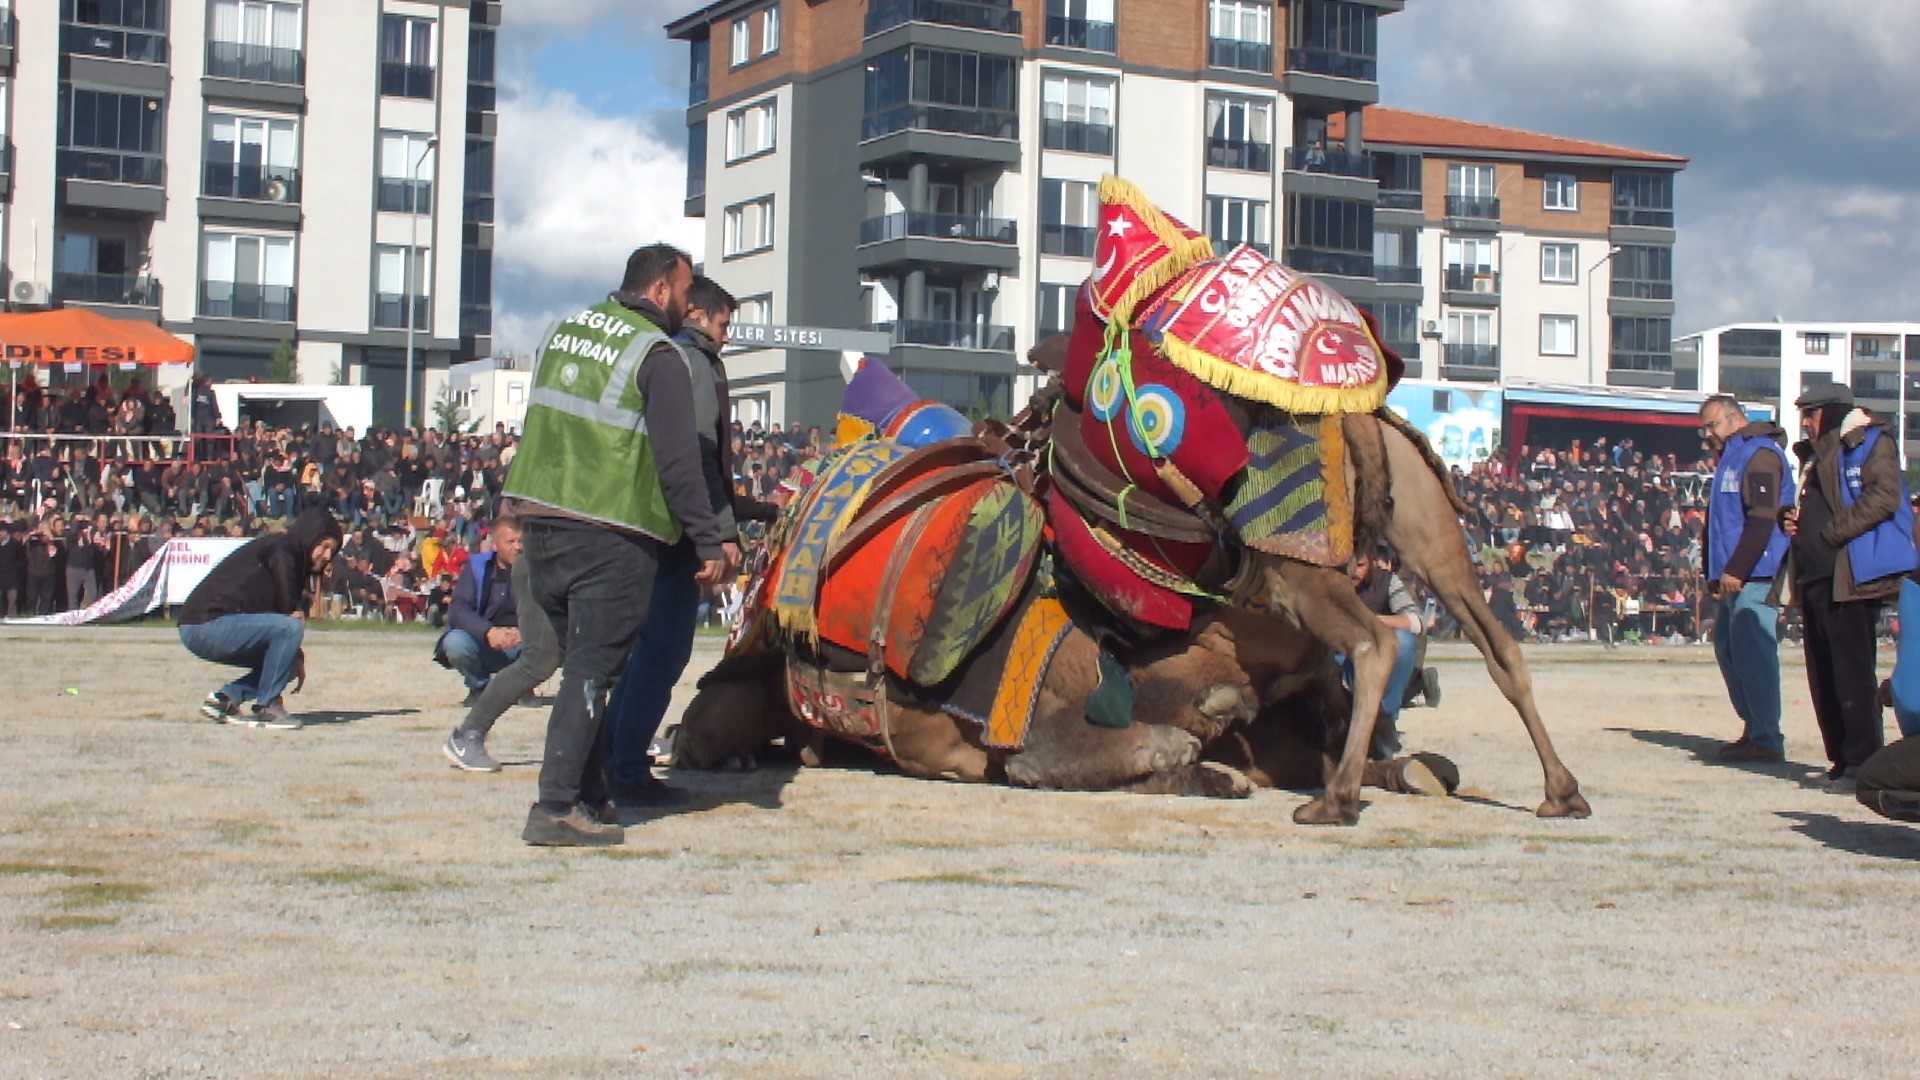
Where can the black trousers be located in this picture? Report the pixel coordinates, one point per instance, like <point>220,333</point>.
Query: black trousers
<point>42,594</point>
<point>593,585</point>
<point>1897,768</point>
<point>1840,672</point>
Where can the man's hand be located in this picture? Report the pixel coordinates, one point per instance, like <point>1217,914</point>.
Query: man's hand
<point>1790,521</point>
<point>1730,585</point>
<point>730,554</point>
<point>711,571</point>
<point>299,671</point>
<point>502,638</point>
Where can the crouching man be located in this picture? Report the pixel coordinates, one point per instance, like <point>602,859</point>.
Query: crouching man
<point>249,612</point>
<point>483,620</point>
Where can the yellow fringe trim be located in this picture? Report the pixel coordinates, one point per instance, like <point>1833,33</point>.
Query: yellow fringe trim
<point>1271,389</point>
<point>1184,250</point>
<point>1333,473</point>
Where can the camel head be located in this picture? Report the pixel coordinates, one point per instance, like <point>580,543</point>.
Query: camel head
<point>737,712</point>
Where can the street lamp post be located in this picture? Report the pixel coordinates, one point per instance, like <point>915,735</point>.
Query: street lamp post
<point>1593,353</point>
<point>412,269</point>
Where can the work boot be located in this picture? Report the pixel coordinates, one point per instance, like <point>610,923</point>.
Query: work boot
<point>580,826</point>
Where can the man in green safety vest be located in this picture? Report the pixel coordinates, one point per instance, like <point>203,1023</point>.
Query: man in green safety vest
<point>608,475</point>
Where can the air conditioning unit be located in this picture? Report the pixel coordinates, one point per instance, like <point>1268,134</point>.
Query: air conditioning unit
<point>1483,283</point>
<point>1431,329</point>
<point>30,294</point>
<point>278,189</point>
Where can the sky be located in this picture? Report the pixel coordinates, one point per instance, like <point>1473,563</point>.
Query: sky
<point>1802,200</point>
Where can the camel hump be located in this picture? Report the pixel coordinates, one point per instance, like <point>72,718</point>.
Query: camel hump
<point>1399,423</point>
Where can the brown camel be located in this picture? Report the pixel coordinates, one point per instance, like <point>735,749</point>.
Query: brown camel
<point>1403,495</point>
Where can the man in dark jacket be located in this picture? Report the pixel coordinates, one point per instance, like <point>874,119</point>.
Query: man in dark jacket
<point>1852,544</point>
<point>250,612</point>
<point>13,568</point>
<point>483,619</point>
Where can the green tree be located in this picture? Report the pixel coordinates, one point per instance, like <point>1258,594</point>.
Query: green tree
<point>284,365</point>
<point>448,416</point>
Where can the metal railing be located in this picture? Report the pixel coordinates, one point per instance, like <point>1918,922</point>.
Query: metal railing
<point>476,320</point>
<point>1080,34</point>
<point>1222,245</point>
<point>998,18</point>
<point>1338,263</point>
<point>113,42</point>
<point>111,166</point>
<point>1078,136</point>
<point>1640,361</point>
<point>1340,65</point>
<point>1473,207</point>
<point>270,183</point>
<point>406,80</point>
<point>1484,357</point>
<point>390,311</point>
<point>1634,215</point>
<point>246,300</point>
<point>1240,154</point>
<point>256,63</point>
<point>1075,241</point>
<point>900,225</point>
<point>1472,279</point>
<point>949,335</point>
<point>133,290</point>
<point>989,123</point>
<point>1400,200</point>
<point>405,196</point>
<point>482,97</point>
<point>477,210</point>
<point>1392,274</point>
<point>1240,55</point>
<point>1319,159</point>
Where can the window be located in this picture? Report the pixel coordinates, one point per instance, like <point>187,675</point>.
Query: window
<point>1069,210</point>
<point>1231,222</point>
<point>1559,264</point>
<point>406,173</point>
<point>1868,348</point>
<point>110,136</point>
<point>1470,181</point>
<point>1081,24</point>
<point>1753,344</point>
<point>406,57</point>
<point>1077,114</point>
<point>258,40</point>
<point>1240,133</point>
<point>1557,334</point>
<point>749,227</point>
<point>770,31</point>
<point>1818,344</point>
<point>1643,198</point>
<point>750,131</point>
<point>699,53</point>
<point>121,29</point>
<point>1336,38</point>
<point>757,310</point>
<point>1643,344</point>
<point>1056,308</point>
<point>246,276</point>
<point>1329,236</point>
<point>1472,253</point>
<point>1560,191</point>
<point>476,277</point>
<point>941,90</point>
<point>1396,255</point>
<point>246,154</point>
<point>393,292</point>
<point>742,45</point>
<point>1240,35</point>
<point>1399,326</point>
<point>1643,272</point>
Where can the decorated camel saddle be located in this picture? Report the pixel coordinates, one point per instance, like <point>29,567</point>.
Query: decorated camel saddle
<point>1203,398</point>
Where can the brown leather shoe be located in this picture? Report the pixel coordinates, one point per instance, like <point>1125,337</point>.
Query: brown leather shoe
<point>1746,751</point>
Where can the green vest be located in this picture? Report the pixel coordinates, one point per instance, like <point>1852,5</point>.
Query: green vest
<point>583,446</point>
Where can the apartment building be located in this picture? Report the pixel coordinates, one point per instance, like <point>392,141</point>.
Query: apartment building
<point>927,168</point>
<point>1772,362</point>
<point>247,172</point>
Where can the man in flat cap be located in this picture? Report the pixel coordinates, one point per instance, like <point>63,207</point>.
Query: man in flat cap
<point>1852,544</point>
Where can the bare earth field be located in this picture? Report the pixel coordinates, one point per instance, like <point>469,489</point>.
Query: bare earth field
<point>179,898</point>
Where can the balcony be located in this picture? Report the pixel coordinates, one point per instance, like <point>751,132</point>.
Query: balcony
<point>390,311</point>
<point>479,210</point>
<point>1643,217</point>
<point>6,39</point>
<point>406,80</point>
<point>476,320</point>
<point>1085,34</point>
<point>246,300</point>
<point>113,42</point>
<point>1479,363</point>
<point>1641,290</point>
<point>1330,263</point>
<point>124,290</point>
<point>1077,136</point>
<point>270,183</point>
<point>1400,200</point>
<point>482,97</point>
<point>1256,56</point>
<point>405,196</point>
<point>1224,244</point>
<point>1073,241</point>
<point>884,15</point>
<point>256,63</point>
<point>950,335</point>
<point>1391,274</point>
<point>1472,286</point>
<point>941,226</point>
<point>1472,210</point>
<point>985,123</point>
<point>1318,159</point>
<point>1340,65</point>
<point>1240,154</point>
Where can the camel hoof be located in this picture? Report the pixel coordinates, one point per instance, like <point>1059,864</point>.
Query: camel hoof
<point>1324,810</point>
<point>1169,748</point>
<point>1431,774</point>
<point>1571,806</point>
<point>1219,781</point>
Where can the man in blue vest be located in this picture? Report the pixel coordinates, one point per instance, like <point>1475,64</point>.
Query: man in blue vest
<point>1744,548</point>
<point>1852,545</point>
<point>608,477</point>
<point>483,616</point>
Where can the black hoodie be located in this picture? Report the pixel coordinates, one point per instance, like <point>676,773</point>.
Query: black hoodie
<point>266,576</point>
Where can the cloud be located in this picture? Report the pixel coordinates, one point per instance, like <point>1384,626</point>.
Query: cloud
<point>577,191</point>
<point>1804,189</point>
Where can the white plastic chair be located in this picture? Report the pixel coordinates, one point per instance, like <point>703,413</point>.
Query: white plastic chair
<point>429,503</point>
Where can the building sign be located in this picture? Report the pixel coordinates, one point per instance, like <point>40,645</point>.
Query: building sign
<point>772,336</point>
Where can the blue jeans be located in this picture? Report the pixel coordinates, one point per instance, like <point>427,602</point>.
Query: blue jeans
<point>475,660</point>
<point>1906,662</point>
<point>266,645</point>
<point>1745,644</point>
<point>1386,727</point>
<point>645,690</point>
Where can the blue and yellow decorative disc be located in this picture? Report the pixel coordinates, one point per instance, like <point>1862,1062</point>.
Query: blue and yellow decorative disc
<point>1104,391</point>
<point>1158,421</point>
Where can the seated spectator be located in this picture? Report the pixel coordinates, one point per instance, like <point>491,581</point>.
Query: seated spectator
<point>483,620</point>
<point>402,602</point>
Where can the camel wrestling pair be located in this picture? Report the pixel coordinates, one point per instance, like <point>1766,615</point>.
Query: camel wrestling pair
<point>1141,583</point>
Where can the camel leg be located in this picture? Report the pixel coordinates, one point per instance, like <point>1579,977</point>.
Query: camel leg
<point>1331,611</point>
<point>1066,753</point>
<point>1420,530</point>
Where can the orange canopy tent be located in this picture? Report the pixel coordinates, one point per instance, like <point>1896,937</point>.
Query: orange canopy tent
<point>79,336</point>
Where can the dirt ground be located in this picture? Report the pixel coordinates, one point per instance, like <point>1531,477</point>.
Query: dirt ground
<point>181,898</point>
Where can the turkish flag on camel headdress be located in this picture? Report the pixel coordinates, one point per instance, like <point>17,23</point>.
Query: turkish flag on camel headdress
<point>1139,249</point>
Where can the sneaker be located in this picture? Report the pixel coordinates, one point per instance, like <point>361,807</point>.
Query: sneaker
<point>218,706</point>
<point>651,793</point>
<point>1844,784</point>
<point>468,750</point>
<point>270,715</point>
<point>1898,805</point>
<point>578,827</point>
